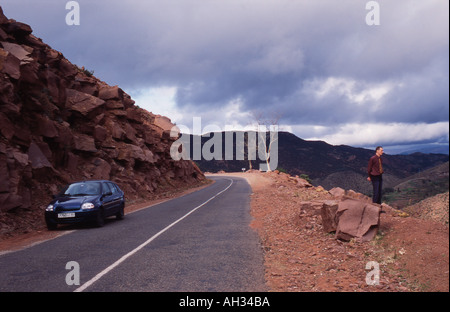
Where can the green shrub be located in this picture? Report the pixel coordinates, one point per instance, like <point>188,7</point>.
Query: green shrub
<point>306,177</point>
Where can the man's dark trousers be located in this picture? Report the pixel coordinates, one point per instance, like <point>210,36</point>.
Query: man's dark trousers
<point>377,183</point>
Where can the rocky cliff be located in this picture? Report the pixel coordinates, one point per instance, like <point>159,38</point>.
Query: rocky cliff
<point>59,124</point>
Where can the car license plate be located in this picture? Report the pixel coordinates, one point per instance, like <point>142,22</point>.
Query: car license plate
<point>66,215</point>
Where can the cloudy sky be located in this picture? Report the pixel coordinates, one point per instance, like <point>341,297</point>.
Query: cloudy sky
<point>315,63</point>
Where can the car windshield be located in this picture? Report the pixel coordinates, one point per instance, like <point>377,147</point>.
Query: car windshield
<point>83,189</point>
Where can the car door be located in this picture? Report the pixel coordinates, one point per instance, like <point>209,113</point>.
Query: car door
<point>116,197</point>
<point>107,199</point>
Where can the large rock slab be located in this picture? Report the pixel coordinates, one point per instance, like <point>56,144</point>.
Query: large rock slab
<point>328,214</point>
<point>357,219</point>
<point>82,102</point>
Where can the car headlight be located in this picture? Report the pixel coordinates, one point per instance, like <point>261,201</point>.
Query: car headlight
<point>87,206</point>
<point>49,208</point>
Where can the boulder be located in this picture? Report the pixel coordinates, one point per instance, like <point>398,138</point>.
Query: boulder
<point>56,90</point>
<point>22,135</point>
<point>65,135</point>
<point>45,149</point>
<point>19,157</point>
<point>163,126</point>
<point>9,64</point>
<point>7,128</point>
<point>46,127</point>
<point>130,152</point>
<point>115,105</point>
<point>71,163</point>
<point>357,219</point>
<point>130,133</point>
<point>100,133</point>
<point>84,143</point>
<point>358,196</point>
<point>134,115</point>
<point>3,35</point>
<point>18,29</point>
<point>300,182</point>
<point>7,96</point>
<point>311,208</point>
<point>9,202</point>
<point>128,101</point>
<point>19,51</point>
<point>86,84</point>
<point>29,74</point>
<point>116,131</point>
<point>328,214</point>
<point>66,69</point>
<point>82,102</point>
<point>102,169</point>
<point>37,158</point>
<point>3,19</point>
<point>41,166</point>
<point>16,171</point>
<point>110,93</point>
<point>337,192</point>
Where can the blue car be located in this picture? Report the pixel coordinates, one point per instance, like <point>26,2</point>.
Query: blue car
<point>86,201</point>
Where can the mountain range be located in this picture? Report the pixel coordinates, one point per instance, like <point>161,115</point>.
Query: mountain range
<point>325,164</point>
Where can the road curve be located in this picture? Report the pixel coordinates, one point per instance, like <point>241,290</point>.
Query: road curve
<point>198,242</point>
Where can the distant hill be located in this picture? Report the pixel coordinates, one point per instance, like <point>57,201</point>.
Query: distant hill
<point>427,149</point>
<point>431,148</point>
<point>328,165</point>
<point>432,208</point>
<point>419,186</point>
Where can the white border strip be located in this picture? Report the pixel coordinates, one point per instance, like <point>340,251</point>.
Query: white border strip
<point>126,256</point>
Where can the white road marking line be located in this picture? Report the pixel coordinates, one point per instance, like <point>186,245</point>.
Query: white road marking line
<point>123,258</point>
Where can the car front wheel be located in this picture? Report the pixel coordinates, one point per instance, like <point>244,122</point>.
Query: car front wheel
<point>121,213</point>
<point>100,220</point>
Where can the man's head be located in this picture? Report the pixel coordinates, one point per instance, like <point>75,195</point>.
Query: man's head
<point>379,150</point>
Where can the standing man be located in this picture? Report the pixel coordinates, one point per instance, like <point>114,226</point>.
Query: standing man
<point>375,172</point>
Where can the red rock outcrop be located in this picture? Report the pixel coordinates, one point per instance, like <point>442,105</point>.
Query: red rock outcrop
<point>59,124</point>
<point>357,219</point>
<point>351,215</point>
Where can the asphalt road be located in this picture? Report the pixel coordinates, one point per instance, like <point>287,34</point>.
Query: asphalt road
<point>199,242</point>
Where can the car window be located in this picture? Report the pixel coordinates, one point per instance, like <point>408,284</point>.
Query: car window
<point>106,188</point>
<point>113,187</point>
<point>83,189</point>
<point>117,187</point>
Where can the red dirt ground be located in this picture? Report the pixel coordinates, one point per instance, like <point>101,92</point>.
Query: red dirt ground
<point>412,253</point>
